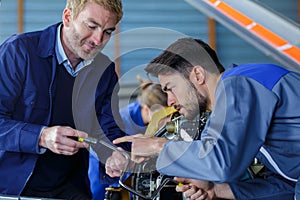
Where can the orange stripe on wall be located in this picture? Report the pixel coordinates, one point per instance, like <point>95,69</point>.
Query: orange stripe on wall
<point>293,52</point>
<point>212,1</point>
<point>269,36</point>
<point>237,16</point>
<point>257,29</point>
<point>245,21</point>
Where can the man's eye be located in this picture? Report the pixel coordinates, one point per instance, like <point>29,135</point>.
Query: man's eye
<point>166,89</point>
<point>108,32</point>
<point>169,90</point>
<point>92,27</point>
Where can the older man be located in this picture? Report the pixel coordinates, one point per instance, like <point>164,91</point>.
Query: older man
<point>42,102</point>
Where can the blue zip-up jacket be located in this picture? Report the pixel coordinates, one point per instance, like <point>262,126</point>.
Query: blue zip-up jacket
<point>27,70</point>
<point>256,114</point>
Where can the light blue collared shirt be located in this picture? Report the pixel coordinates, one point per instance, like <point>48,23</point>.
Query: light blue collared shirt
<point>63,59</point>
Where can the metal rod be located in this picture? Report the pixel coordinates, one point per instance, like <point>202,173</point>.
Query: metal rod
<point>212,33</point>
<point>20,16</point>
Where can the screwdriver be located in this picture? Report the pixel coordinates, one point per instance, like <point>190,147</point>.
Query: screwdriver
<point>94,141</point>
<point>89,140</point>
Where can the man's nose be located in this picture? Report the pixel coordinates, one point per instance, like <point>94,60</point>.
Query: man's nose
<point>171,100</point>
<point>98,37</point>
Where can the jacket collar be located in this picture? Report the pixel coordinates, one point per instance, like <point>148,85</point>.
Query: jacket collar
<point>47,41</point>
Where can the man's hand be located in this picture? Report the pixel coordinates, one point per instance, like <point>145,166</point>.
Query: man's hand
<point>199,190</point>
<point>115,164</point>
<point>195,189</point>
<point>57,139</point>
<point>142,146</point>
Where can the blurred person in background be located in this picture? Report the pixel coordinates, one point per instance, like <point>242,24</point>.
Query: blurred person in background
<point>136,117</point>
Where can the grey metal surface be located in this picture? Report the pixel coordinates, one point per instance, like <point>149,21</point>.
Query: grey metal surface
<point>268,18</point>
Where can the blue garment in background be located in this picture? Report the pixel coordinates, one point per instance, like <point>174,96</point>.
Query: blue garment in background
<point>133,121</point>
<point>132,118</point>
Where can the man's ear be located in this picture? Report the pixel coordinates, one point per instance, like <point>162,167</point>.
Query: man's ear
<point>200,74</point>
<point>67,17</point>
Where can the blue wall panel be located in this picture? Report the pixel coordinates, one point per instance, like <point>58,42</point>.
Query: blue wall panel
<point>169,19</point>
<point>147,28</point>
<point>8,19</point>
<point>40,14</point>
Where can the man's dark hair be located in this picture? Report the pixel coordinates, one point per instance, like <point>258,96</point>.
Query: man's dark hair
<point>182,56</point>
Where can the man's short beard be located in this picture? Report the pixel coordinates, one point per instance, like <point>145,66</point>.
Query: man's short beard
<point>202,102</point>
<point>75,46</point>
<point>199,103</point>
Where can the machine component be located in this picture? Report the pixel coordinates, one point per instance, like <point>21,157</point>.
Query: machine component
<point>153,185</point>
<point>147,183</point>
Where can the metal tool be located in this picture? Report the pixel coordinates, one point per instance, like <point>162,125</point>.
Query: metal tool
<point>89,140</point>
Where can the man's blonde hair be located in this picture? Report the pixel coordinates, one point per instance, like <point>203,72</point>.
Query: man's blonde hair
<point>115,6</point>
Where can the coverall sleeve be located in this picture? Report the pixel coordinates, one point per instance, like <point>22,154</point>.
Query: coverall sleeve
<point>232,137</point>
<point>272,187</point>
<point>16,135</point>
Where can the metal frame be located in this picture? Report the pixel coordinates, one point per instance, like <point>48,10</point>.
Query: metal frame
<point>279,28</point>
